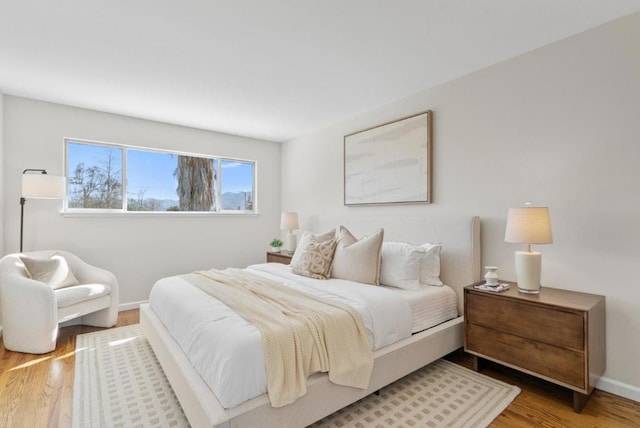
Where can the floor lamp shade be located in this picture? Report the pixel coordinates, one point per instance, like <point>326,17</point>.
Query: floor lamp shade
<point>289,221</point>
<point>42,186</point>
<point>37,184</point>
<point>528,225</point>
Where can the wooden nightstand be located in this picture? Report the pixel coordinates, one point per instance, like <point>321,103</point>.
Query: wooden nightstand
<point>557,335</point>
<point>282,257</point>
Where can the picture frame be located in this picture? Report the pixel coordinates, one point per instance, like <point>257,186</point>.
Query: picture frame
<point>389,163</point>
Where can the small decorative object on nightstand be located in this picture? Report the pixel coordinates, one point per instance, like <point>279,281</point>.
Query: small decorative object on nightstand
<point>491,277</point>
<point>276,245</point>
<point>282,257</point>
<point>557,335</point>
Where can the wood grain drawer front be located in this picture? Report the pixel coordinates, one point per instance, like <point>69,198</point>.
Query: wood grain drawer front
<point>277,258</point>
<point>544,324</point>
<point>564,365</point>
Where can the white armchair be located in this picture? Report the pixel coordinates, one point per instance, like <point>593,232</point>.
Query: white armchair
<point>32,310</point>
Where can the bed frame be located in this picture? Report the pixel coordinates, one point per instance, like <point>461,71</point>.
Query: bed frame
<point>460,266</point>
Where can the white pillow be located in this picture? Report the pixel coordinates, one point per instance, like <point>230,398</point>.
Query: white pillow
<point>430,267</point>
<point>400,265</point>
<point>355,260</point>
<point>53,271</point>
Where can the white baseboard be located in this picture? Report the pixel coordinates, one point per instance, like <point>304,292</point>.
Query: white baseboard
<point>131,305</point>
<point>618,388</point>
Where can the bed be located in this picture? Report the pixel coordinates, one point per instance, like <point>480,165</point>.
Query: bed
<point>460,266</point>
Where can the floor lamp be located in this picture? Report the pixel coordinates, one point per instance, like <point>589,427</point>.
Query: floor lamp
<point>38,186</point>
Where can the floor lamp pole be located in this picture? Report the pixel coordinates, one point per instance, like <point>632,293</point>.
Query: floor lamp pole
<point>22,201</point>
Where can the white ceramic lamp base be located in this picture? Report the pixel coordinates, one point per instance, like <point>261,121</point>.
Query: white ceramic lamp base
<point>291,242</point>
<point>528,267</point>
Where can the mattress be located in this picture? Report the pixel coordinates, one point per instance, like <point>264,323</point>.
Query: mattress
<point>429,305</point>
<point>226,350</point>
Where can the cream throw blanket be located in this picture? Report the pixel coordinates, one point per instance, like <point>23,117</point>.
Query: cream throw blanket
<point>301,334</point>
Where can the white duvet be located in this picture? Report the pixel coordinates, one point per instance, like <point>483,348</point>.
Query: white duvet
<point>227,350</point>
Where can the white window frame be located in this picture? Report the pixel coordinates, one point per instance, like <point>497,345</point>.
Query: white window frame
<point>108,211</point>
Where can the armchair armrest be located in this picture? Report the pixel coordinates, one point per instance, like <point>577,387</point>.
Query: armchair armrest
<point>89,274</point>
<point>29,314</point>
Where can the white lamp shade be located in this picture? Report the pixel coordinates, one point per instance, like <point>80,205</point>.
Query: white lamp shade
<point>42,186</point>
<point>289,221</point>
<point>528,225</point>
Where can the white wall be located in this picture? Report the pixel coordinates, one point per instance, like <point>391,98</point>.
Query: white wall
<point>2,204</point>
<point>140,249</point>
<point>556,127</point>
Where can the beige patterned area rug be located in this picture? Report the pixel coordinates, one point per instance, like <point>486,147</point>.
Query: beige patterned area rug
<point>119,383</point>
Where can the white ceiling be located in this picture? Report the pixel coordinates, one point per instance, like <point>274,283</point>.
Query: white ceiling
<point>271,69</point>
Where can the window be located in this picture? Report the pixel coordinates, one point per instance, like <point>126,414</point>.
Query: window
<point>236,185</point>
<point>110,177</point>
<point>94,176</point>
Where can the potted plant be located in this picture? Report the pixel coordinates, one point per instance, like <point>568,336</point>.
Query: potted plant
<point>276,245</point>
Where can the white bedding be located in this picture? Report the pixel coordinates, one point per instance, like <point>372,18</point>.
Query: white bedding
<point>226,350</point>
<point>429,305</point>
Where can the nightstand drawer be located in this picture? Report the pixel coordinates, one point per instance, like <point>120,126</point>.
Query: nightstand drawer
<point>283,258</point>
<point>545,324</point>
<point>564,365</point>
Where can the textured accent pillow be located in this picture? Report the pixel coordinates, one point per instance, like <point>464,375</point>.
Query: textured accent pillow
<point>400,265</point>
<point>308,237</point>
<point>53,271</point>
<point>358,261</point>
<point>430,268</point>
<point>315,259</point>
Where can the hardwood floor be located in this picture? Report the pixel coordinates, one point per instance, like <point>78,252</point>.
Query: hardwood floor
<point>543,404</point>
<point>37,391</point>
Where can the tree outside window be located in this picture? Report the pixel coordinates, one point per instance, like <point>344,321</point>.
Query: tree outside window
<point>155,180</point>
<point>95,178</point>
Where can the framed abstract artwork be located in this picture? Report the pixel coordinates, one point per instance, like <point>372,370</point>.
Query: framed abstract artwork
<point>390,163</point>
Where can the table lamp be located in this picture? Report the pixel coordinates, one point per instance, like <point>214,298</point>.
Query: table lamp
<point>528,225</point>
<point>289,221</point>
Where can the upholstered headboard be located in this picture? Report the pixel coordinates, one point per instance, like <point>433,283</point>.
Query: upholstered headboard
<point>460,236</point>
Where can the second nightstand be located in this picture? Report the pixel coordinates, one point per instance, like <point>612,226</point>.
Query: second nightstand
<point>557,335</point>
<point>282,257</point>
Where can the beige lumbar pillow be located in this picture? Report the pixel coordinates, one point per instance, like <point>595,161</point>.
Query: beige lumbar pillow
<point>358,260</point>
<point>54,271</point>
<point>315,259</point>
